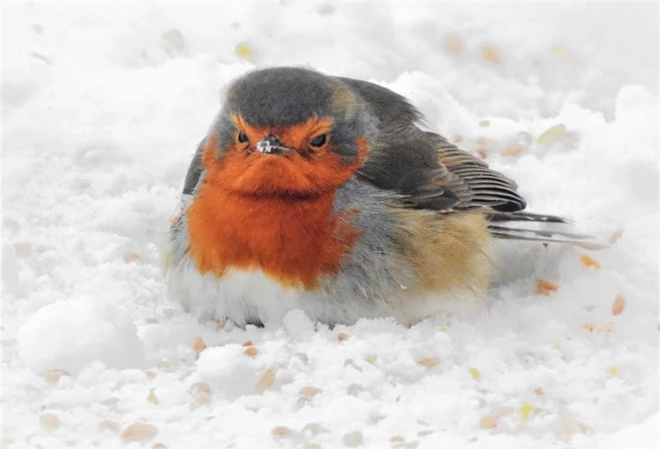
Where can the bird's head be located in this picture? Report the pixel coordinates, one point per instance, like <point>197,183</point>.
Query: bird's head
<point>288,132</point>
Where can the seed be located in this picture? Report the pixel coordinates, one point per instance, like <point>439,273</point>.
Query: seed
<point>244,51</point>
<point>131,257</point>
<point>589,327</point>
<point>281,431</point>
<point>49,421</point>
<point>251,351</point>
<point>139,432</point>
<point>152,397</point>
<point>266,380</point>
<point>310,392</point>
<point>53,375</point>
<point>616,235</point>
<point>526,410</point>
<point>488,422</point>
<point>618,305</point>
<point>489,53</point>
<point>512,150</point>
<point>552,134</point>
<point>590,262</point>
<point>200,387</point>
<point>199,345</point>
<point>453,43</point>
<point>203,399</point>
<point>313,428</point>
<point>545,287</point>
<point>429,362</point>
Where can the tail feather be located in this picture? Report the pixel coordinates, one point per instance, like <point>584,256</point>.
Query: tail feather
<point>496,216</point>
<point>543,228</point>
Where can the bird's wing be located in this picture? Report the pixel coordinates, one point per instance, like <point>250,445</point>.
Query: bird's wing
<point>472,181</point>
<point>431,173</point>
<point>194,170</point>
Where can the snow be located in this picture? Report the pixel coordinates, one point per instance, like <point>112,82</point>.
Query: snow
<point>103,105</point>
<point>297,323</point>
<point>71,334</point>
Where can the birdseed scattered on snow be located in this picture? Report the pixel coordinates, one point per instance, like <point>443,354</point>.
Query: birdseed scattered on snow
<point>200,387</point>
<point>526,410</point>
<point>490,54</point>
<point>310,392</point>
<point>49,421</point>
<point>616,235</point>
<point>281,432</point>
<point>618,305</point>
<point>139,432</point>
<point>314,428</point>
<point>588,261</point>
<point>266,380</point>
<point>151,397</point>
<point>551,135</point>
<point>488,422</point>
<point>453,43</point>
<point>53,375</point>
<point>546,287</point>
<point>251,351</point>
<point>429,362</point>
<point>512,150</point>
<point>199,346</point>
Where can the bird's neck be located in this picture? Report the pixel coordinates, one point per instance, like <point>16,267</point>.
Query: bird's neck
<point>295,241</point>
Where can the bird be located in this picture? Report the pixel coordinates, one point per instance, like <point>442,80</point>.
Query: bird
<point>325,194</point>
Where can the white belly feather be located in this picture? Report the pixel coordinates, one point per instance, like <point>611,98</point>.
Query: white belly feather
<point>245,296</point>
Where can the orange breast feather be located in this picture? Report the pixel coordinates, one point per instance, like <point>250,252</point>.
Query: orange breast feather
<point>295,241</point>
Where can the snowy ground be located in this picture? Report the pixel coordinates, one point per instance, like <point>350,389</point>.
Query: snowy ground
<point>103,105</point>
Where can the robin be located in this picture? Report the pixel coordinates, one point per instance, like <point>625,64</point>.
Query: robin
<point>321,193</point>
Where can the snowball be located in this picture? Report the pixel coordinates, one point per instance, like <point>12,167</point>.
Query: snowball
<point>228,369</point>
<point>72,334</point>
<point>297,323</point>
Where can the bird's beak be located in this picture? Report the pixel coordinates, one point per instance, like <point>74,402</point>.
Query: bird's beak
<point>270,145</point>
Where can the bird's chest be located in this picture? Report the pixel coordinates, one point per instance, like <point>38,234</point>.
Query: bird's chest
<point>292,242</point>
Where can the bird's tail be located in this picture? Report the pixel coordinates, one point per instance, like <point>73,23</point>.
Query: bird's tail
<point>538,228</point>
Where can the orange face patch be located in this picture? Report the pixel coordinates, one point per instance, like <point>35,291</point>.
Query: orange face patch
<point>271,212</point>
<point>304,171</point>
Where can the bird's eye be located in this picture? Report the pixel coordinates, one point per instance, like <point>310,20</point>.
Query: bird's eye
<point>318,141</point>
<point>242,137</point>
